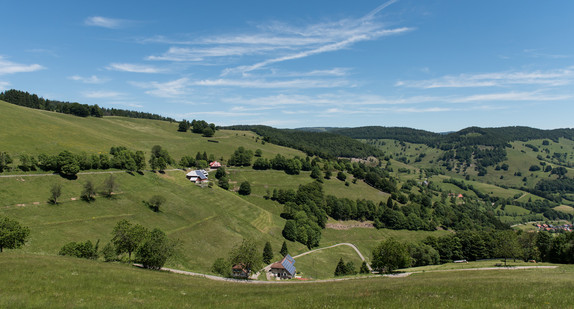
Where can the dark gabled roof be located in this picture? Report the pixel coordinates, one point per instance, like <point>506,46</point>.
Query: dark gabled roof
<point>200,174</point>
<point>288,263</point>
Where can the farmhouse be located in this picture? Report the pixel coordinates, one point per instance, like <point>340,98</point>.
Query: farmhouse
<point>197,176</point>
<point>285,269</point>
<point>240,271</point>
<point>214,164</point>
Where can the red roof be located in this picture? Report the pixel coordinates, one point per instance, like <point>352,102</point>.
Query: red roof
<point>214,164</point>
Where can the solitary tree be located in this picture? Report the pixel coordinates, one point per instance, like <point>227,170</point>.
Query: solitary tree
<point>127,237</point>
<point>284,251</point>
<point>267,253</point>
<point>89,192</point>
<point>155,249</point>
<point>245,188</point>
<point>220,173</point>
<point>155,202</point>
<point>224,183</point>
<point>12,234</point>
<point>247,255</point>
<point>55,193</point>
<point>109,186</point>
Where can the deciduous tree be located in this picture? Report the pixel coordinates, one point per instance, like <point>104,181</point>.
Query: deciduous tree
<point>390,255</point>
<point>155,249</point>
<point>126,237</point>
<point>12,234</point>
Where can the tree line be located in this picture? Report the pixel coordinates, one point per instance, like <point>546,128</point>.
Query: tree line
<point>391,254</point>
<point>151,248</point>
<point>26,99</point>
<point>322,144</point>
<point>471,136</point>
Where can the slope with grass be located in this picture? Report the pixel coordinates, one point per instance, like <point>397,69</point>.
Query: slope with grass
<point>30,131</point>
<point>46,281</point>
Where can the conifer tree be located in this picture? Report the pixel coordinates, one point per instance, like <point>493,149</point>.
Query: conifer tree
<point>267,253</point>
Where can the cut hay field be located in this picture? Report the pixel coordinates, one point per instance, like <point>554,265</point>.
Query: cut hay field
<point>56,282</point>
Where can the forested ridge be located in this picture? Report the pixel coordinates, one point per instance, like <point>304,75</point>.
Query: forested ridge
<point>472,136</point>
<point>323,144</point>
<point>26,99</point>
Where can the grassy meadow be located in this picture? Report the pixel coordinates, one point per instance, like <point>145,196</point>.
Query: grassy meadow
<point>31,131</point>
<point>68,282</point>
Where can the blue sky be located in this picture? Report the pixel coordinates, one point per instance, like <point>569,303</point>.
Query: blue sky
<point>433,65</point>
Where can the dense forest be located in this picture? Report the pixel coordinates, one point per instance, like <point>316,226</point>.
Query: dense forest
<point>325,145</point>
<point>26,99</point>
<point>472,136</point>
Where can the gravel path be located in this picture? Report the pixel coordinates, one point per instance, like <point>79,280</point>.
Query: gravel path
<point>398,275</point>
<point>341,244</point>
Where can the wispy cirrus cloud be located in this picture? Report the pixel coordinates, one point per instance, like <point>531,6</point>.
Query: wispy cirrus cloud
<point>170,89</point>
<point>277,42</point>
<point>102,94</point>
<point>262,83</point>
<point>351,101</point>
<point>358,37</point>
<point>106,22</point>
<point>558,77</point>
<point>135,68</point>
<point>9,67</point>
<point>89,80</point>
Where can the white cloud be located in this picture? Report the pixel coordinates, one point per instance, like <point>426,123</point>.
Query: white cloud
<point>125,103</point>
<point>509,96</point>
<point>134,68</point>
<point>89,80</point>
<point>102,94</point>
<point>4,85</point>
<point>105,22</point>
<point>355,38</point>
<point>558,77</point>
<point>295,83</point>
<point>277,42</point>
<point>8,67</point>
<point>171,89</point>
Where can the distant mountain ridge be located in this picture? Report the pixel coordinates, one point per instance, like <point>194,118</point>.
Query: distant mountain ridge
<point>497,137</point>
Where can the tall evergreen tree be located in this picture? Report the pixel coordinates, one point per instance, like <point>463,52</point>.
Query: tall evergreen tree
<point>267,253</point>
<point>284,251</point>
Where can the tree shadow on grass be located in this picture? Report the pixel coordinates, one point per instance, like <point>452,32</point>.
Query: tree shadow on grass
<point>68,177</point>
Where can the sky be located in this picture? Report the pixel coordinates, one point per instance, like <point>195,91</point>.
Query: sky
<point>435,65</point>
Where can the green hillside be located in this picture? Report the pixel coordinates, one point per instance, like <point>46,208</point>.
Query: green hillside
<point>46,281</point>
<point>209,222</point>
<point>31,131</point>
<point>407,191</point>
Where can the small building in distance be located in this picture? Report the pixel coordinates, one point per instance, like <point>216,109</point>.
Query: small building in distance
<point>240,271</point>
<point>284,269</point>
<point>197,176</point>
<point>214,164</point>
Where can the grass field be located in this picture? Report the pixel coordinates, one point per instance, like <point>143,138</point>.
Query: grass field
<point>565,209</point>
<point>50,282</point>
<point>321,264</point>
<point>30,131</point>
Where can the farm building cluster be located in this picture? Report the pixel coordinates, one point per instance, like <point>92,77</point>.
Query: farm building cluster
<point>554,228</point>
<point>201,176</point>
